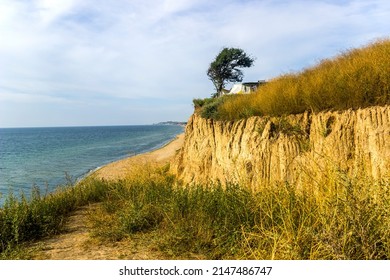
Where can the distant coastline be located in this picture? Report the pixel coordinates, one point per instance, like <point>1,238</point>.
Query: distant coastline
<point>183,124</point>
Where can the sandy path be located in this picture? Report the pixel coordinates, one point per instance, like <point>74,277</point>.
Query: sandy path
<point>75,243</point>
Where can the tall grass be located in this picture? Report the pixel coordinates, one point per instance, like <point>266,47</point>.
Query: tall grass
<point>337,218</point>
<point>356,78</point>
<point>23,220</point>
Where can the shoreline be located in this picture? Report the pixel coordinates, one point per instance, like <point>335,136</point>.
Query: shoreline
<point>119,169</point>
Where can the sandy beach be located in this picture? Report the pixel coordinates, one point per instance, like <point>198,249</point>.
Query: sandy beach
<point>120,169</point>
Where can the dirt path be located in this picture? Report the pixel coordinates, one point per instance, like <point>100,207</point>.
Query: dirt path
<point>75,242</point>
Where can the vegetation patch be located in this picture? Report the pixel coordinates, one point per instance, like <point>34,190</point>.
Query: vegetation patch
<point>23,220</point>
<point>337,217</point>
<point>208,107</point>
<point>357,78</point>
<point>283,126</point>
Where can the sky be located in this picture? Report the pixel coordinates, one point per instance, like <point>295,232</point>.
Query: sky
<point>128,62</point>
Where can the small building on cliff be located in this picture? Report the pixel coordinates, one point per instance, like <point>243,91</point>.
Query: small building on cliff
<point>246,88</point>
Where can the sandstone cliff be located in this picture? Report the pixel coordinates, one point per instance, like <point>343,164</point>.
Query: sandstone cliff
<point>262,150</point>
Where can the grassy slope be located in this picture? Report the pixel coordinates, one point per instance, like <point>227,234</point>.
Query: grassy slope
<point>337,218</point>
<point>356,78</point>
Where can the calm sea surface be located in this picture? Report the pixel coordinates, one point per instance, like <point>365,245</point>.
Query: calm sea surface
<point>42,156</point>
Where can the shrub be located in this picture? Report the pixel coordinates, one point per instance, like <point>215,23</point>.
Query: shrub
<point>210,109</point>
<point>198,103</point>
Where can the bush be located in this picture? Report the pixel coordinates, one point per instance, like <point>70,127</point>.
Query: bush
<point>208,107</point>
<point>198,103</point>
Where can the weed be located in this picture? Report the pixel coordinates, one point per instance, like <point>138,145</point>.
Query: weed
<point>282,125</point>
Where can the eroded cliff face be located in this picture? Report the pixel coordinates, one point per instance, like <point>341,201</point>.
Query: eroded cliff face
<point>290,149</point>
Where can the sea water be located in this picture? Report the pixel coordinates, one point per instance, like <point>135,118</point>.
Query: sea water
<point>48,157</point>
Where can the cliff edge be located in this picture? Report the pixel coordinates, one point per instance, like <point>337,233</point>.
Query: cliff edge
<point>264,150</point>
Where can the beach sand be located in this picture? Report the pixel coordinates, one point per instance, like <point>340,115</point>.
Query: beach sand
<point>120,169</point>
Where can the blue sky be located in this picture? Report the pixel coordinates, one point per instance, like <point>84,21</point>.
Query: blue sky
<point>100,62</point>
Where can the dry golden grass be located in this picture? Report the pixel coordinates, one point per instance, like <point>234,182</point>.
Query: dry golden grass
<point>336,217</point>
<point>355,79</point>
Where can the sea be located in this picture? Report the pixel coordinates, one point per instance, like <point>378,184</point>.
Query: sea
<point>49,157</point>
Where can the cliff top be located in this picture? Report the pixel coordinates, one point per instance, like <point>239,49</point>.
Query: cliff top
<point>357,78</point>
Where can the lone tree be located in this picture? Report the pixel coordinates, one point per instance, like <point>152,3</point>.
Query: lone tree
<point>225,68</point>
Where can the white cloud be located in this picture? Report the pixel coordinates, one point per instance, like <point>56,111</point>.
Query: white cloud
<point>49,10</point>
<point>174,6</point>
<point>93,50</point>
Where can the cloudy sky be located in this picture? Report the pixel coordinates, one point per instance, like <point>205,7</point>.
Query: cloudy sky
<point>101,62</point>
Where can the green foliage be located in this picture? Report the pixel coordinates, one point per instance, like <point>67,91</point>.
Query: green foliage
<point>199,103</point>
<point>210,110</point>
<point>208,107</point>
<point>355,79</point>
<point>225,67</point>
<point>31,219</point>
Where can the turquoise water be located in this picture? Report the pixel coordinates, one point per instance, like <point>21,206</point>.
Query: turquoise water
<point>43,156</point>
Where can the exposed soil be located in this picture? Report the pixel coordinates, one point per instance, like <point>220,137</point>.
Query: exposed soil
<point>75,243</point>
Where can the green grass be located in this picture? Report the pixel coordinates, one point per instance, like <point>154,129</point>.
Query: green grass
<point>23,220</point>
<point>337,217</point>
<point>356,78</point>
<point>208,107</point>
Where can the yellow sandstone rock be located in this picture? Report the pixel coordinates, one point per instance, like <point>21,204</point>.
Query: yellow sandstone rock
<point>263,150</point>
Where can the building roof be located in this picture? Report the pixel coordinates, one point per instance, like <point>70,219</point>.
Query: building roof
<point>246,87</point>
